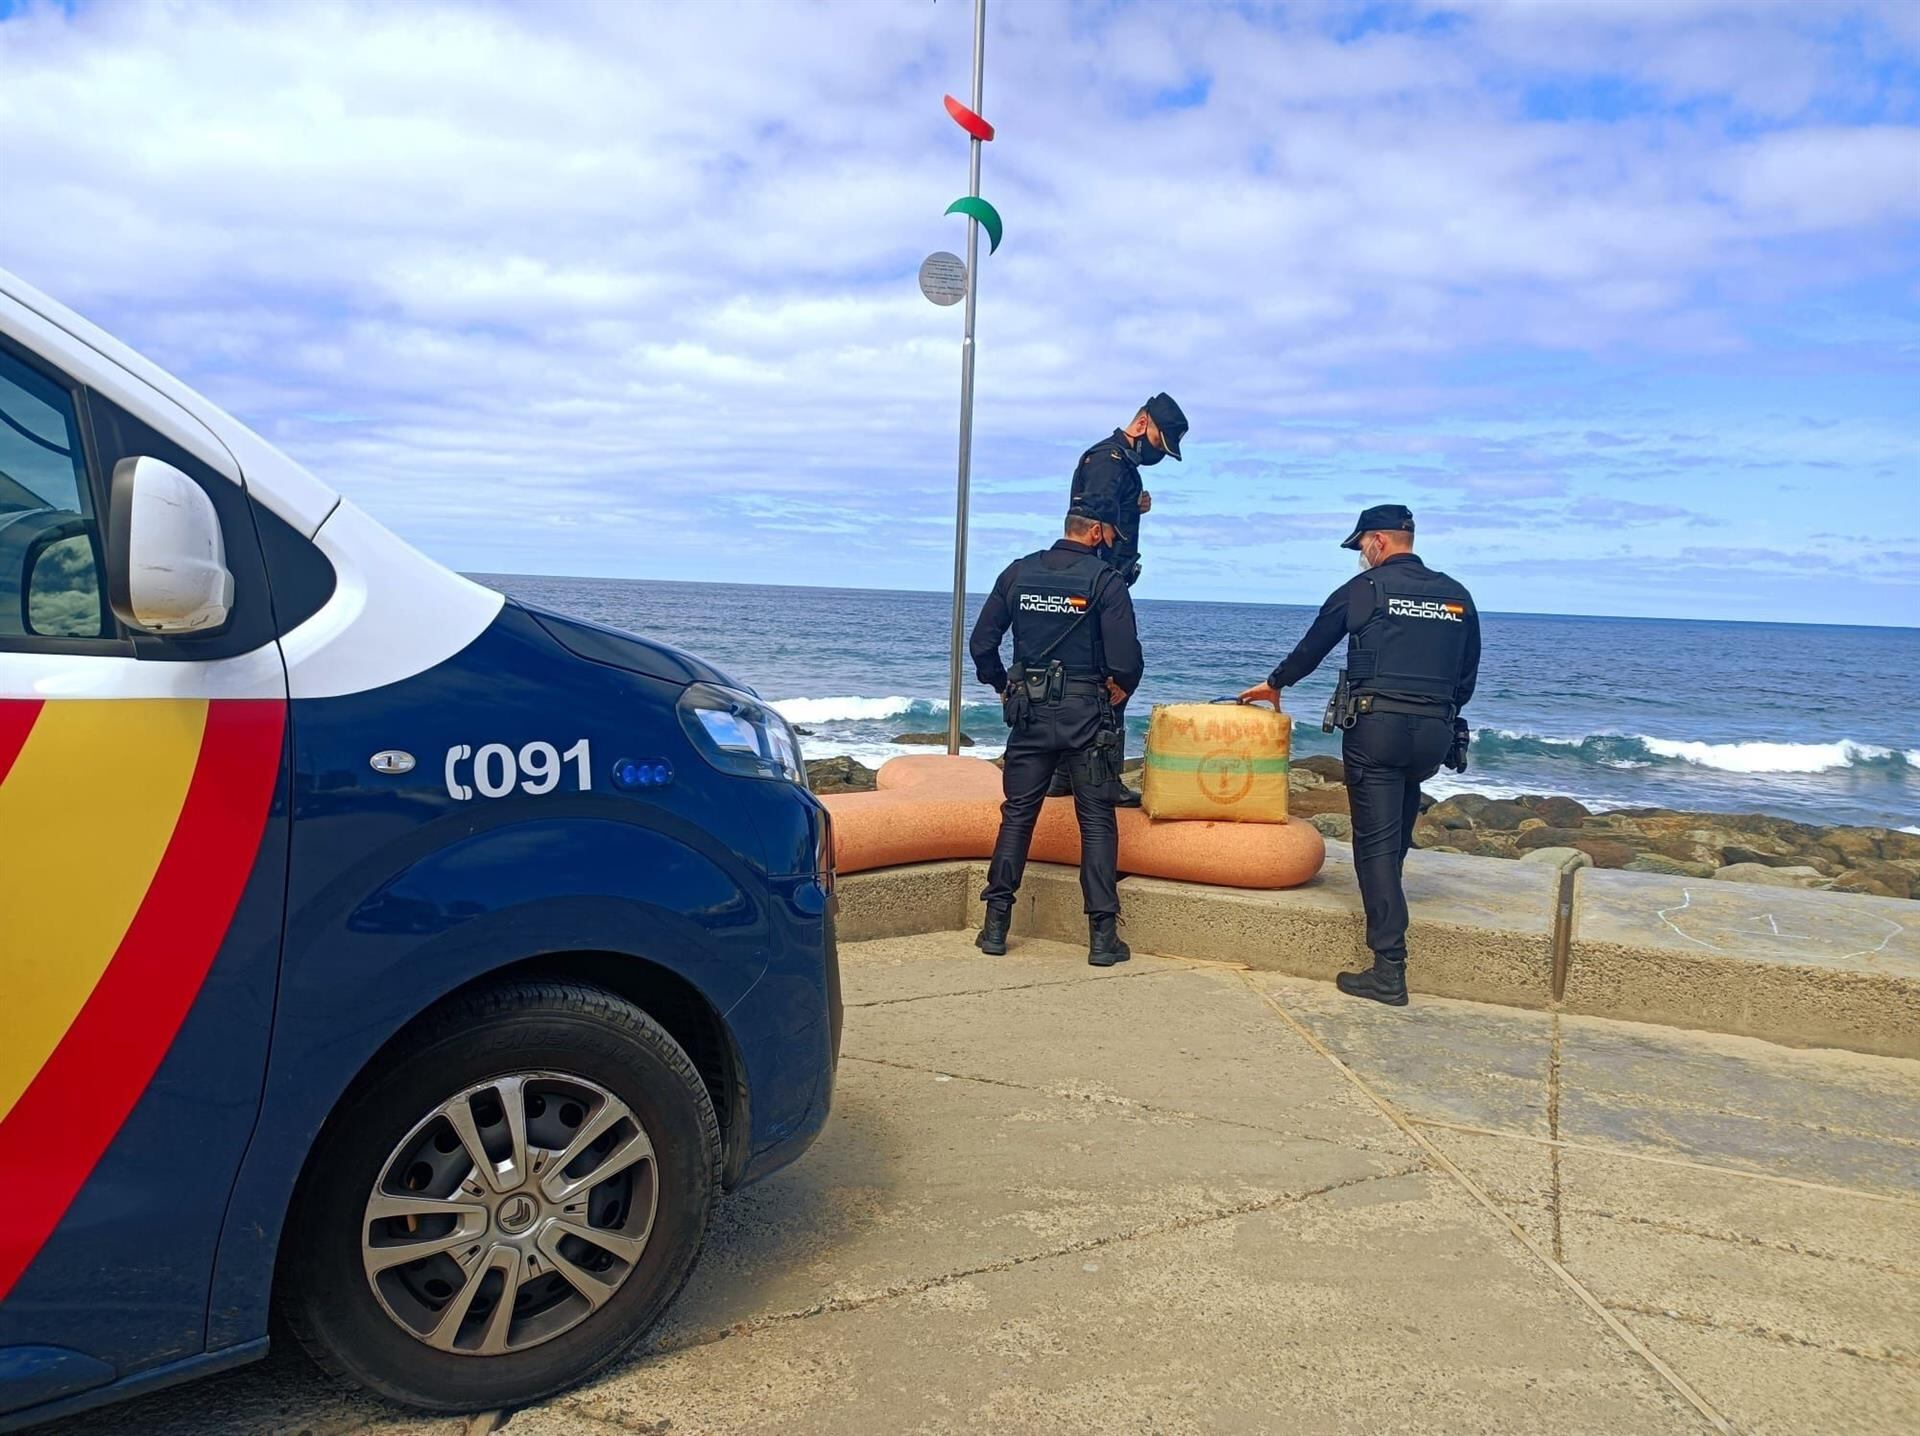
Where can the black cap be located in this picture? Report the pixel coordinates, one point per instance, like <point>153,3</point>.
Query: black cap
<point>1168,419</point>
<point>1380,518</point>
<point>1097,507</point>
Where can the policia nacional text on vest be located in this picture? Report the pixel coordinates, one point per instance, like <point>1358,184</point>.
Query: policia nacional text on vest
<point>1073,629</point>
<point>1413,658</point>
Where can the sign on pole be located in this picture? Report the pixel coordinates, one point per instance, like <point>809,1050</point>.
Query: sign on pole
<point>943,277</point>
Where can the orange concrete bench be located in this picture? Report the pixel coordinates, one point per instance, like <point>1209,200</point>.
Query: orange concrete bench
<point>928,808</point>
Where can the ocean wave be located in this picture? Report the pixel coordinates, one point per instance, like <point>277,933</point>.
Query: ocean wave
<point>1778,757</point>
<point>874,754</point>
<point>1636,750</point>
<point>848,710</point>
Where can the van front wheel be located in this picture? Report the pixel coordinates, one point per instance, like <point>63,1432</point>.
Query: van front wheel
<point>507,1205</point>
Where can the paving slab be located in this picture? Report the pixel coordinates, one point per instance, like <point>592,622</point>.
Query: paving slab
<point>1843,1118</point>
<point>1436,1058</point>
<point>1823,1116</point>
<point>1811,968</point>
<point>921,1175</point>
<point>1280,1321</point>
<point>1198,1042</point>
<point>1770,1388</point>
<point>947,964</point>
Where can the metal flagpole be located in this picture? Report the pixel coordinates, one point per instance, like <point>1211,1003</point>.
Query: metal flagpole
<point>966,396</point>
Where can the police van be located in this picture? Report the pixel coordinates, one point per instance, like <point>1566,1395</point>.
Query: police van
<point>374,950</point>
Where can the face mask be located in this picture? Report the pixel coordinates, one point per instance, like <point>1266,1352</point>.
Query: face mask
<point>1146,453</point>
<point>1364,565</point>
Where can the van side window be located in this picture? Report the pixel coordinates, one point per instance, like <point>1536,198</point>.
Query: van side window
<point>50,576</point>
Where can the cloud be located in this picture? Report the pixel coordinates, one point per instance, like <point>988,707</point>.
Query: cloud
<point>492,267</point>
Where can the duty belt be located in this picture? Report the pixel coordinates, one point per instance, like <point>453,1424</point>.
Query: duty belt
<point>1380,703</point>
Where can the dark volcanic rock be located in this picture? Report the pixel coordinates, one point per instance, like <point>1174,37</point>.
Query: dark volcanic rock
<point>1503,814</point>
<point>930,740</point>
<point>1328,769</point>
<point>1561,812</point>
<point>839,775</point>
<point>1551,838</point>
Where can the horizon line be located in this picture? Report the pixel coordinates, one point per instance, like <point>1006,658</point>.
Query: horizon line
<point>1215,602</point>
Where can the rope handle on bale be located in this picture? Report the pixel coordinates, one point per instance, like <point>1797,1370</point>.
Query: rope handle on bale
<point>1244,703</point>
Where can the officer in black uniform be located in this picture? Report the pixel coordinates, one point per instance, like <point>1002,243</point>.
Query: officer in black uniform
<point>1076,656</point>
<point>1108,474</point>
<point>1413,656</point>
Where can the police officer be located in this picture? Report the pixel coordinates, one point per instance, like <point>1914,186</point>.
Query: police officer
<point>1108,474</point>
<point>1413,656</point>
<point>1076,656</point>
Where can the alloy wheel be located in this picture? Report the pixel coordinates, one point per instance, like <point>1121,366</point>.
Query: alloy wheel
<point>510,1213</point>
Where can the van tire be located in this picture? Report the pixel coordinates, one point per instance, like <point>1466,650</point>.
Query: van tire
<point>328,1301</point>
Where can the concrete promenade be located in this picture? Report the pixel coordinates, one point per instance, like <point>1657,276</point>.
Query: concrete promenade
<point>1186,1196</point>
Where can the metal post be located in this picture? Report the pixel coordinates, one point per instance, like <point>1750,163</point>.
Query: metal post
<point>966,396</point>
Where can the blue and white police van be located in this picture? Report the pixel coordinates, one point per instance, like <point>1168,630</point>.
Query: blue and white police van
<point>374,949</point>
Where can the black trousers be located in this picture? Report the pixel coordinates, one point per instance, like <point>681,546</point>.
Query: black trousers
<point>1387,757</point>
<point>1057,734</point>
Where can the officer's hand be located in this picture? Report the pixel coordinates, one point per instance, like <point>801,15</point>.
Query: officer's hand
<point>1262,693</point>
<point>1116,695</point>
<point>1146,501</point>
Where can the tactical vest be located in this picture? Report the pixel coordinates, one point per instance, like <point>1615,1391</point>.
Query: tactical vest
<point>1053,613</point>
<point>1412,642</point>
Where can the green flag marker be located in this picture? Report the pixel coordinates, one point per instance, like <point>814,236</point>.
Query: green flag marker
<point>974,207</point>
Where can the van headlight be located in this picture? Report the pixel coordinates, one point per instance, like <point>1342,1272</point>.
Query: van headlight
<point>737,733</point>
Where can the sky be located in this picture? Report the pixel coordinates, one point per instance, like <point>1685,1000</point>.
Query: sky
<point>1622,298</point>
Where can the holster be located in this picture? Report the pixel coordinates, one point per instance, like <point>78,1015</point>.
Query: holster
<point>1339,712</point>
<point>1105,754</point>
<point>1456,758</point>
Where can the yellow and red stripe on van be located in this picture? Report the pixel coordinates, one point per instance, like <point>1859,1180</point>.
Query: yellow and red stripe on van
<point>127,832</point>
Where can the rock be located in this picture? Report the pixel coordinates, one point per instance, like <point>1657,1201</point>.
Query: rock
<point>839,775</point>
<point>1530,824</point>
<point>1546,837</point>
<point>1429,834</point>
<point>1849,846</point>
<point>1467,805</point>
<point>803,732</point>
<point>1503,814</point>
<point>1312,802</point>
<point>1606,852</point>
<point>1896,846</point>
<point>1878,878</point>
<point>1561,812</point>
<point>1765,876</point>
<point>1733,854</point>
<point>1337,826</point>
<point>1327,769</point>
<point>1298,778</point>
<point>1670,867</point>
<point>928,740</point>
<point>1557,857</point>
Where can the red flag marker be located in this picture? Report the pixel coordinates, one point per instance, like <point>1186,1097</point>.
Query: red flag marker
<point>968,120</point>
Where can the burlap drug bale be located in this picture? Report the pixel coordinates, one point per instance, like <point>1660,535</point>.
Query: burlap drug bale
<point>1221,761</point>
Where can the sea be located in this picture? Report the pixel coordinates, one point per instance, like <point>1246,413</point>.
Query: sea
<point>1813,722</point>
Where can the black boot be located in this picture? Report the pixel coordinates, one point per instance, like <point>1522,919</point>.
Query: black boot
<point>1385,981</point>
<point>1123,796</point>
<point>1104,947</point>
<point>993,933</point>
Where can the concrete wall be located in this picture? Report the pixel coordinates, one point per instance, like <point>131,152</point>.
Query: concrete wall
<point>1808,969</point>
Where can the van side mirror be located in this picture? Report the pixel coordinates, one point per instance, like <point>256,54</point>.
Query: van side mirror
<point>166,559</point>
